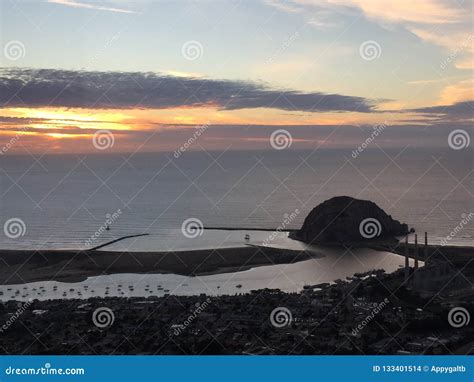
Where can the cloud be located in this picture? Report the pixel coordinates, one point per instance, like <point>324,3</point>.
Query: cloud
<point>9,120</point>
<point>137,90</point>
<point>465,108</point>
<point>286,6</point>
<point>458,45</point>
<point>457,92</point>
<point>405,11</point>
<point>446,24</point>
<point>234,137</point>
<point>316,14</point>
<point>87,5</point>
<point>400,11</point>
<point>422,19</point>
<point>4,120</point>
<point>458,112</point>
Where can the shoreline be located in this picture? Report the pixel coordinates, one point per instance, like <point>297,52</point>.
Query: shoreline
<point>25,266</point>
<point>430,252</point>
<point>76,266</point>
<point>315,323</point>
<point>248,229</point>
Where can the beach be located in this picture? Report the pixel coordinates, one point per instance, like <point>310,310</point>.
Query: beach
<point>75,266</point>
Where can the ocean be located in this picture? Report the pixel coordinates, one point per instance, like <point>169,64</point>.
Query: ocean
<point>63,201</point>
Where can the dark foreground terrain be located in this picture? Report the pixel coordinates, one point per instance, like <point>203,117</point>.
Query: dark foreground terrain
<point>23,266</point>
<point>368,314</point>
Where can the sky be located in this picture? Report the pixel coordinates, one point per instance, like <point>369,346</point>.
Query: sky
<point>140,76</point>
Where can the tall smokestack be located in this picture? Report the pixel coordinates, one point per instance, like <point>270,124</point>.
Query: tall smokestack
<point>407,261</point>
<point>416,252</point>
<point>426,246</point>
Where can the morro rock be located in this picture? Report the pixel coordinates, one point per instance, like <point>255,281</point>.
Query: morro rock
<point>345,220</point>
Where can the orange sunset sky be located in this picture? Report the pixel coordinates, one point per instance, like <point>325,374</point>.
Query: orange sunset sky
<point>150,72</point>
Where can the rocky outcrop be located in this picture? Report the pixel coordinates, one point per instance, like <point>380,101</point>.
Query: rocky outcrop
<point>345,220</point>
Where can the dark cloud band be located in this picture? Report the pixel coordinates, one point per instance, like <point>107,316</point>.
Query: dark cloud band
<point>127,90</point>
<point>460,109</point>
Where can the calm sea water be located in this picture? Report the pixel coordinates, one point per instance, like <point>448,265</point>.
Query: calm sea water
<point>336,264</point>
<point>64,199</point>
